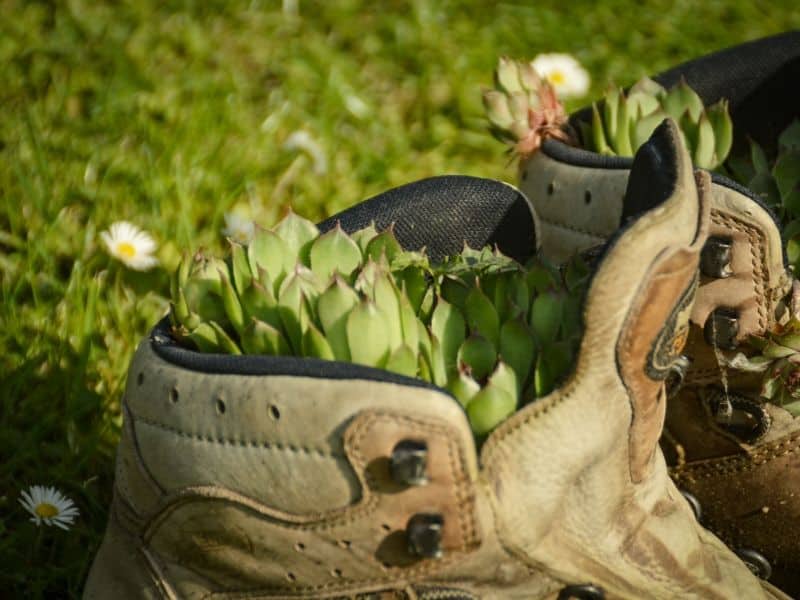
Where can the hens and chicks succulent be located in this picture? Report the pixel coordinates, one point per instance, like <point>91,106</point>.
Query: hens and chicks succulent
<point>479,324</point>
<point>523,110</point>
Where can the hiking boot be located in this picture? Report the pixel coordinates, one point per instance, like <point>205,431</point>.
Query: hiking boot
<point>281,477</point>
<point>736,454</point>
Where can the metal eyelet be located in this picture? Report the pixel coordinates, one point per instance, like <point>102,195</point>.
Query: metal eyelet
<point>745,419</point>
<point>721,328</point>
<point>756,562</point>
<point>408,462</point>
<point>676,375</point>
<point>586,591</point>
<point>424,532</point>
<point>715,258</point>
<point>694,503</point>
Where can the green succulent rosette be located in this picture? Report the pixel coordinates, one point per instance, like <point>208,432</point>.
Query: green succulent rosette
<point>492,332</point>
<point>623,121</point>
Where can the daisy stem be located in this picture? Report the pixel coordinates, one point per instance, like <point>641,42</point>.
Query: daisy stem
<point>34,550</point>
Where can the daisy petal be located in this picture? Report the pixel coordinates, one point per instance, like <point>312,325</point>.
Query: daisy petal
<point>130,245</point>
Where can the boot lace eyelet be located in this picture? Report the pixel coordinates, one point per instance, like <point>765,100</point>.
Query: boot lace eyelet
<point>715,258</point>
<point>586,591</point>
<point>756,562</point>
<point>747,420</point>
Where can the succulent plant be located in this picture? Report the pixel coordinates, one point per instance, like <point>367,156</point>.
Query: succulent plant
<point>624,121</point>
<point>523,109</point>
<point>479,324</point>
<point>778,360</point>
<point>777,181</point>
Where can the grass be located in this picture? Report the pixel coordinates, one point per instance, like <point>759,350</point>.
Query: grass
<point>168,114</point>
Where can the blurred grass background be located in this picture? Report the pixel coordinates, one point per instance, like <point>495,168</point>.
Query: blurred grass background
<point>169,113</point>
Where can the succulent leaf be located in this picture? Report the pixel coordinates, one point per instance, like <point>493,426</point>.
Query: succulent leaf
<point>610,114</point>
<point>478,356</point>
<point>230,301</point>
<point>622,136</point>
<point>545,318</point>
<point>387,299</point>
<point>722,125</point>
<point>490,407</point>
<point>298,233</point>
<point>507,76</point>
<point>293,302</point>
<point>414,283</point>
<point>258,302</point>
<point>384,246</point>
<point>482,316</point>
<point>787,172</point>
<point>270,253</point>
<point>403,361</point>
<point>366,335</point>
<point>449,327</point>
<point>598,133</point>
<point>225,342</point>
<point>517,347</point>
<point>315,344</point>
<point>363,236</point>
<point>334,251</point>
<point>262,338</point>
<point>463,387</point>
<point>240,267</point>
<point>704,146</point>
<point>409,324</point>
<point>333,307</point>
<point>204,336</point>
<point>497,108</point>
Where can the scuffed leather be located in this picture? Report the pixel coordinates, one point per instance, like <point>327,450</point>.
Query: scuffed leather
<point>558,192</point>
<point>571,464</point>
<point>754,289</point>
<point>580,207</point>
<point>751,501</point>
<point>207,496</point>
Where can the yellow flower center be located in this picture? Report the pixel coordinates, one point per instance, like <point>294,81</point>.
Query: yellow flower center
<point>556,77</point>
<point>46,510</point>
<point>126,249</point>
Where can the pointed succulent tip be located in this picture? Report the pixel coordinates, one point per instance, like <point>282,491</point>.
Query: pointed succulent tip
<point>497,109</point>
<point>507,75</point>
<point>529,77</point>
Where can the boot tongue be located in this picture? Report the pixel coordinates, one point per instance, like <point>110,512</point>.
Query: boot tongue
<point>653,174</point>
<point>443,213</point>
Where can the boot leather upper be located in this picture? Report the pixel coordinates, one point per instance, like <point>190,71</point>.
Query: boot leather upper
<point>287,492</point>
<point>748,489</point>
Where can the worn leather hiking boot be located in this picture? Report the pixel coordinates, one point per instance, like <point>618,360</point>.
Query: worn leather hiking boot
<point>735,454</point>
<point>280,477</point>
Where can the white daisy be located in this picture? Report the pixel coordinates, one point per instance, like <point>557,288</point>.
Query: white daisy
<point>239,227</point>
<point>130,245</point>
<point>49,506</point>
<point>568,77</point>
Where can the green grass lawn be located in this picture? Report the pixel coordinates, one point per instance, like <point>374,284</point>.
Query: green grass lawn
<point>168,114</point>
